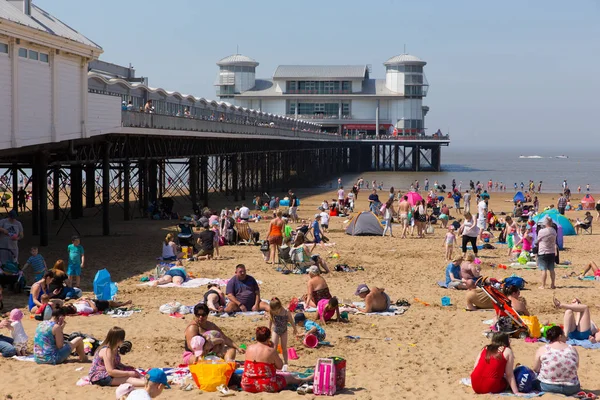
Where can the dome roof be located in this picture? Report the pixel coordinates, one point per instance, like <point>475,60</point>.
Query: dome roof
<point>402,59</point>
<point>237,59</point>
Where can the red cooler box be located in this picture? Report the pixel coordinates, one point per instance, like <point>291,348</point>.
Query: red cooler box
<point>340,372</point>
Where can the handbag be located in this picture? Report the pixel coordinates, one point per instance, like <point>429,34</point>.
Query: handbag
<point>264,245</point>
<point>429,229</point>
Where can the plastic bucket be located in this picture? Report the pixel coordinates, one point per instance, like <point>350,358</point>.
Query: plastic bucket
<point>446,301</point>
<point>292,355</point>
<point>311,341</point>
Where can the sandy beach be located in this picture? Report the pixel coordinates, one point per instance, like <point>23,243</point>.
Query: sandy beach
<point>427,351</point>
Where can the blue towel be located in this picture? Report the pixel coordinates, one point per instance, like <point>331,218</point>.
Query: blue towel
<point>586,344</point>
<point>480,247</point>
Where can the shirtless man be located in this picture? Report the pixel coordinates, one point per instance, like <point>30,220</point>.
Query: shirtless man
<point>403,208</point>
<point>376,300</point>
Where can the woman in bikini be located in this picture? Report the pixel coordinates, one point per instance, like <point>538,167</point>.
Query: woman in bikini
<point>275,236</point>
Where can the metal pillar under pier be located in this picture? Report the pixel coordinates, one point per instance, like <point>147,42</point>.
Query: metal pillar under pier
<point>204,179</point>
<point>90,189</point>
<point>194,181</point>
<point>15,188</point>
<point>56,193</point>
<point>234,176</point>
<point>106,190</point>
<point>35,196</point>
<point>153,180</point>
<point>126,178</point>
<point>40,177</point>
<point>76,192</point>
<point>243,162</point>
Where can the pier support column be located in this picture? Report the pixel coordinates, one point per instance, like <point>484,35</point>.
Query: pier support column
<point>40,177</point>
<point>395,157</point>
<point>204,179</point>
<point>126,179</point>
<point>90,186</point>
<point>227,175</point>
<point>194,181</point>
<point>76,192</point>
<point>234,176</point>
<point>243,176</point>
<point>142,183</point>
<point>15,188</point>
<point>416,158</point>
<point>106,190</point>
<point>35,196</point>
<point>56,192</point>
<point>153,180</point>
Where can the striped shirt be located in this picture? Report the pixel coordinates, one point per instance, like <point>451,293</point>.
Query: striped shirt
<point>37,263</point>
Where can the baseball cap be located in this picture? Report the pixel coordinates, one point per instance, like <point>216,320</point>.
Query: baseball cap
<point>198,345</point>
<point>157,375</point>
<point>362,288</point>
<point>124,390</point>
<point>299,317</point>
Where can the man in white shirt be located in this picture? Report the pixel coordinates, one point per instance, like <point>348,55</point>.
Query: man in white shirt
<point>467,201</point>
<point>341,197</point>
<point>244,213</point>
<point>482,215</point>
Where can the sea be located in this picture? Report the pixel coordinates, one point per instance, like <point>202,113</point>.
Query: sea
<point>507,166</point>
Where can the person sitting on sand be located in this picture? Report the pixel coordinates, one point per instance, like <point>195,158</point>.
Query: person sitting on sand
<point>40,288</point>
<point>578,324</point>
<point>493,370</point>
<point>169,248</point>
<point>214,298</point>
<point>317,288</point>
<point>243,293</point>
<point>156,381</point>
<point>49,345</point>
<point>107,369</point>
<point>518,303</point>
<point>453,277</point>
<point>585,224</point>
<point>306,255</point>
<point>477,299</point>
<point>176,275</point>
<point>590,267</point>
<point>310,327</point>
<point>469,270</point>
<point>556,364</point>
<point>376,300</point>
<point>261,365</point>
<point>199,327</point>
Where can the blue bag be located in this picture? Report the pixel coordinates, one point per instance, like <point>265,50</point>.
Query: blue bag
<point>104,287</point>
<point>525,378</point>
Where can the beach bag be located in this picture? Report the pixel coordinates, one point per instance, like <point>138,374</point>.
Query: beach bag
<point>429,230</point>
<point>515,280</point>
<point>525,378</point>
<point>170,308</point>
<point>533,324</point>
<point>104,287</point>
<point>208,375</point>
<point>324,382</point>
<point>264,245</point>
<point>340,372</point>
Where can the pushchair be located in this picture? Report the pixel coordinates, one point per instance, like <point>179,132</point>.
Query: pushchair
<point>507,319</point>
<point>11,275</point>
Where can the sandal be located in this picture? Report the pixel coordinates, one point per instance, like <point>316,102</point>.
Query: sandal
<point>302,388</point>
<point>224,391</point>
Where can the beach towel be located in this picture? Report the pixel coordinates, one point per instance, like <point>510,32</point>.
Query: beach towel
<point>28,358</point>
<point>532,265</point>
<point>467,382</point>
<point>241,314</point>
<point>392,310</point>
<point>586,344</point>
<point>480,247</point>
<point>194,283</point>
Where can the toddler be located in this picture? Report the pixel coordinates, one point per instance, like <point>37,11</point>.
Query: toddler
<point>76,261</point>
<point>18,333</point>
<point>310,327</point>
<point>278,319</point>
<point>450,242</point>
<point>37,263</point>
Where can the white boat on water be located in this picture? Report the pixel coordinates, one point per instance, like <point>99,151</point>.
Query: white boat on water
<point>562,156</point>
<point>530,156</point>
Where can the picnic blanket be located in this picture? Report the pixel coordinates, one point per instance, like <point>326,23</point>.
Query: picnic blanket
<point>393,310</point>
<point>532,265</point>
<point>467,382</point>
<point>194,283</point>
<point>28,358</point>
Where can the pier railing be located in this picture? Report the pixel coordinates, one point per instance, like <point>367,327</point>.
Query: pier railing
<point>133,119</point>
<point>398,138</point>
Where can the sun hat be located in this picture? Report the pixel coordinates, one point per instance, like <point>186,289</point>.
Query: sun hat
<point>197,343</point>
<point>124,389</point>
<point>362,288</point>
<point>16,315</point>
<point>157,375</point>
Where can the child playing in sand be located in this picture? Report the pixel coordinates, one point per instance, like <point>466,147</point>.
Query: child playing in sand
<point>37,264</point>
<point>310,327</point>
<point>450,242</point>
<point>76,261</point>
<point>326,308</point>
<point>18,333</point>
<point>278,319</point>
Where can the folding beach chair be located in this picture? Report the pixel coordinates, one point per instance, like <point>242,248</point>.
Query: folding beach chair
<point>285,259</point>
<point>245,234</point>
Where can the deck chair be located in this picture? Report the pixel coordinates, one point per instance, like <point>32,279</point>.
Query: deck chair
<point>245,234</point>
<point>587,228</point>
<point>185,235</point>
<point>300,259</point>
<point>285,259</point>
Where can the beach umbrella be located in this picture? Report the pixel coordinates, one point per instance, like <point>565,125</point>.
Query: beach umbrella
<point>588,202</point>
<point>413,198</point>
<point>559,219</point>
<point>519,196</point>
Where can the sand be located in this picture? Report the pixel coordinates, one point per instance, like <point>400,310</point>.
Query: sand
<point>431,347</point>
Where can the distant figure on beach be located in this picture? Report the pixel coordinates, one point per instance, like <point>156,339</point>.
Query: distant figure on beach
<point>339,183</point>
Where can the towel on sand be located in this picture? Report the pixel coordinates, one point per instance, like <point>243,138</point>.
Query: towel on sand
<point>467,382</point>
<point>24,358</point>
<point>194,283</point>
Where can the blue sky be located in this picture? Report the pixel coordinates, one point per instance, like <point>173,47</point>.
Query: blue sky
<point>500,73</point>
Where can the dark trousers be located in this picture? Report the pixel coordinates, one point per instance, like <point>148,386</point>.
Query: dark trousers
<point>469,239</point>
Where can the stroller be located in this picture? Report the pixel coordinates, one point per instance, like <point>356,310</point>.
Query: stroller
<point>11,275</point>
<point>507,319</point>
